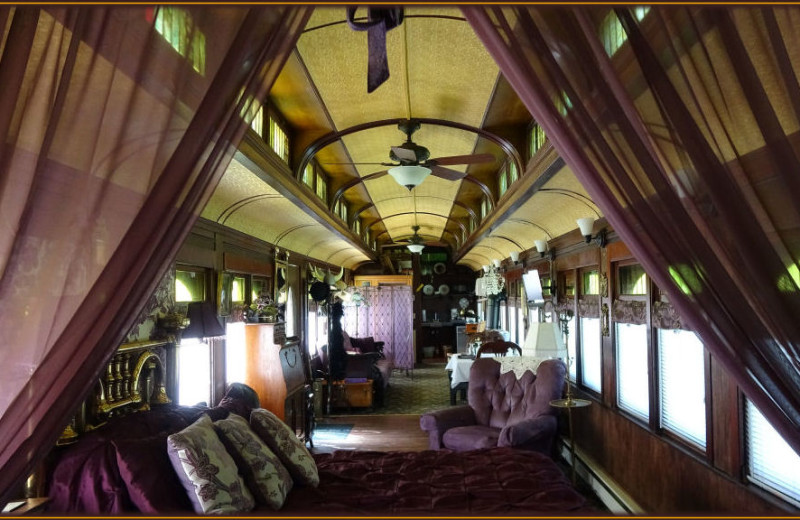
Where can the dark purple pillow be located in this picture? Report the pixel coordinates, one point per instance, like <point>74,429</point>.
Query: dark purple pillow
<point>148,474</point>
<point>364,345</point>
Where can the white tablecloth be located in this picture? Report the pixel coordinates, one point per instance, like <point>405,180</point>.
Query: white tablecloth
<point>460,369</point>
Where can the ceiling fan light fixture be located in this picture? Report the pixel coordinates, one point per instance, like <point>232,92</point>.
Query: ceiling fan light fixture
<point>409,175</point>
<point>415,248</point>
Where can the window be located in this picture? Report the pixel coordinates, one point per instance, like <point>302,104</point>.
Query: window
<point>632,378</point>
<point>322,187</point>
<point>194,372</point>
<point>771,463</point>
<point>190,285</point>
<point>235,352</point>
<point>681,382</point>
<point>258,285</point>
<point>308,175</point>
<point>503,181</point>
<point>178,28</point>
<point>278,140</point>
<point>591,363</point>
<point>238,289</point>
<point>612,33</point>
<point>537,139</point>
<point>632,280</point>
<point>571,351</point>
<point>484,208</point>
<point>591,282</point>
<point>257,123</point>
<point>513,174</point>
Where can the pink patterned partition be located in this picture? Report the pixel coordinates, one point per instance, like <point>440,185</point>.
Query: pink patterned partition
<point>388,317</point>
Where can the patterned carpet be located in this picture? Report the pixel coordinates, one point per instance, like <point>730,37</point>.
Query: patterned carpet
<point>424,389</point>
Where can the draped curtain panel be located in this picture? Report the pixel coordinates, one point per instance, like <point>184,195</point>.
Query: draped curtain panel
<point>387,316</point>
<point>686,136</point>
<point>113,141</point>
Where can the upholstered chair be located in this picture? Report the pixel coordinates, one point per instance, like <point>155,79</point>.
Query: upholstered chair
<point>502,410</point>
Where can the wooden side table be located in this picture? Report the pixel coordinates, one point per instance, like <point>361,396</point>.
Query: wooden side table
<point>569,403</point>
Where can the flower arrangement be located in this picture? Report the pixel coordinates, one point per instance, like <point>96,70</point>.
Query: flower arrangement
<point>263,307</point>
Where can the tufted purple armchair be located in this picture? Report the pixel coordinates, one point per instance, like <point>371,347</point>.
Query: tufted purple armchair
<point>502,410</point>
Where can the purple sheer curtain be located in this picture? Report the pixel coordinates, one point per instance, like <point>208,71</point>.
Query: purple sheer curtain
<point>687,138</point>
<point>112,144</point>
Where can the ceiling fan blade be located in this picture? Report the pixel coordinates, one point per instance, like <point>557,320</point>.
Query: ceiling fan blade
<point>464,159</point>
<point>376,175</point>
<point>404,154</point>
<point>357,163</point>
<point>447,173</point>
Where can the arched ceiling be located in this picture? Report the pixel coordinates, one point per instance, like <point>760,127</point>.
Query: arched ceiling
<point>439,73</point>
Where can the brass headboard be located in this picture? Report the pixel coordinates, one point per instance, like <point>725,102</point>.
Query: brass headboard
<point>135,378</point>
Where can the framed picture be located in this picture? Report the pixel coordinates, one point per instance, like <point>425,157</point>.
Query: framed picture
<point>224,288</point>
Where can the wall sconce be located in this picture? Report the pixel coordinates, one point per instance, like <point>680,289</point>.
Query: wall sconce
<point>514,255</point>
<point>541,246</point>
<point>485,268</point>
<point>586,224</point>
<point>496,263</point>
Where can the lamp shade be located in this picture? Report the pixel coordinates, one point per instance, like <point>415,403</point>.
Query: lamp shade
<point>514,256</point>
<point>541,245</point>
<point>203,322</point>
<point>415,248</point>
<point>409,176</point>
<point>496,262</point>
<point>544,341</point>
<point>586,224</point>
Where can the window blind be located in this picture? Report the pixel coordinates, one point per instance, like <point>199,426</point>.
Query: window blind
<point>591,363</point>
<point>633,393</point>
<point>771,462</point>
<point>681,378</point>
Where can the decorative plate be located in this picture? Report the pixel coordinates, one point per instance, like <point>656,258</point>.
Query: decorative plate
<point>444,289</point>
<point>439,268</point>
<point>463,303</point>
<point>427,290</point>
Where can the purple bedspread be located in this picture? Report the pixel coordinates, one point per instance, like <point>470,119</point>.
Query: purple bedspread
<point>490,482</point>
<point>123,468</point>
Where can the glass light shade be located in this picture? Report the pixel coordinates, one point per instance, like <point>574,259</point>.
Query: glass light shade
<point>544,341</point>
<point>415,248</point>
<point>496,262</point>
<point>586,224</point>
<point>541,245</point>
<point>409,176</point>
<point>514,255</point>
<point>485,268</point>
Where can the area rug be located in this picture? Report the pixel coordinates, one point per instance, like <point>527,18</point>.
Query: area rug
<point>331,432</point>
<point>424,389</point>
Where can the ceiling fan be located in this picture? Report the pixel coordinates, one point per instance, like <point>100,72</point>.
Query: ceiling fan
<point>413,163</point>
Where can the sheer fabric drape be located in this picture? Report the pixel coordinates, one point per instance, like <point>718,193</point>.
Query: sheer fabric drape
<point>386,315</point>
<point>687,139</point>
<point>112,144</point>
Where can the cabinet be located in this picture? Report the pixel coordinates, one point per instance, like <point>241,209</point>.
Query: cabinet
<point>275,369</point>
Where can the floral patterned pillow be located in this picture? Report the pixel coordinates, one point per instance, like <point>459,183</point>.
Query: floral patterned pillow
<point>263,471</point>
<point>208,473</point>
<point>283,441</point>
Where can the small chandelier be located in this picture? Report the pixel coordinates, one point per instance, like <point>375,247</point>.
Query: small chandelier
<point>493,281</point>
<point>415,243</point>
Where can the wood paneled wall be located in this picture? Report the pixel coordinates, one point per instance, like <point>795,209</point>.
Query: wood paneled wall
<point>662,474</point>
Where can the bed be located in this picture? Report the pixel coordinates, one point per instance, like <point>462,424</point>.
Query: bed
<point>127,466</point>
<point>123,468</point>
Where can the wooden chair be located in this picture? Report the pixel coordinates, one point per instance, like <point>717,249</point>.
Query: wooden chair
<point>498,348</point>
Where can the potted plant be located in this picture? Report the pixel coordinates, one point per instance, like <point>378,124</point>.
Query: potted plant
<point>263,309</point>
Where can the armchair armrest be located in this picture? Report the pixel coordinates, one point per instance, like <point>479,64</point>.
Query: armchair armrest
<point>438,422</point>
<point>537,431</point>
<point>379,347</point>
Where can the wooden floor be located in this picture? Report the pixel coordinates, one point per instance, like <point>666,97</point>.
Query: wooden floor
<point>376,432</point>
